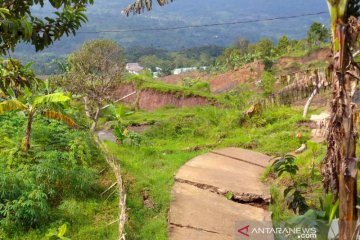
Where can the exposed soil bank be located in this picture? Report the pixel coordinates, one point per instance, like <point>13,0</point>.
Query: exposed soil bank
<point>151,99</point>
<point>249,73</point>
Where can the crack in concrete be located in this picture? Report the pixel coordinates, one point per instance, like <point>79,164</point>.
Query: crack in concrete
<point>195,228</point>
<point>243,198</point>
<point>238,159</point>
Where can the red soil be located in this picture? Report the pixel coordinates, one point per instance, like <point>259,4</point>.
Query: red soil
<point>151,99</point>
<point>229,80</point>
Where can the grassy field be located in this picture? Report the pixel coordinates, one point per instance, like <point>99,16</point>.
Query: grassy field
<point>176,136</point>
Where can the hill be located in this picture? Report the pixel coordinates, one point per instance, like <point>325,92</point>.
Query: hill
<point>106,15</point>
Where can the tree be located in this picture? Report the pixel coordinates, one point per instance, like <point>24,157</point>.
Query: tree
<point>339,167</point>
<point>150,61</point>
<point>268,81</point>
<point>180,60</point>
<point>94,71</point>
<point>317,33</point>
<point>17,22</point>
<point>32,105</point>
<point>204,60</point>
<point>15,78</point>
<point>242,44</point>
<point>265,48</point>
<point>283,45</point>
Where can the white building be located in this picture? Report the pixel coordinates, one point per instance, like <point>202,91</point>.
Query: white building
<point>177,71</point>
<point>134,68</point>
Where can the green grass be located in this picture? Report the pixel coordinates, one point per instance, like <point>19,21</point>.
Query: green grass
<point>144,81</point>
<point>176,136</point>
<point>305,52</point>
<point>177,90</point>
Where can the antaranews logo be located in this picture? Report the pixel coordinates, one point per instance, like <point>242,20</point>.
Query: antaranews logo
<point>244,231</point>
<point>264,231</point>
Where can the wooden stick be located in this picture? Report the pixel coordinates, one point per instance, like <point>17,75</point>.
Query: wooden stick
<point>112,185</point>
<point>121,99</point>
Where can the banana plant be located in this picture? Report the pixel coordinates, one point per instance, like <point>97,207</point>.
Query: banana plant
<point>32,105</point>
<point>339,167</point>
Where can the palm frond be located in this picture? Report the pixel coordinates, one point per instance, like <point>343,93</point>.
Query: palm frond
<point>51,98</point>
<point>139,6</point>
<point>11,105</point>
<point>61,117</point>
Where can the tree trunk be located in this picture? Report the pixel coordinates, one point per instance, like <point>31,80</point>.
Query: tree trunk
<point>28,132</point>
<point>87,108</point>
<point>340,164</point>
<point>308,103</point>
<point>344,111</point>
<point>95,119</point>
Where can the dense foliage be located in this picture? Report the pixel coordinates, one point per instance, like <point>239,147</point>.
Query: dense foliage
<point>15,78</point>
<point>33,186</point>
<point>61,166</point>
<point>18,23</point>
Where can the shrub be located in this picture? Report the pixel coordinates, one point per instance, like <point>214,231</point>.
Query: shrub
<point>32,184</point>
<point>268,81</point>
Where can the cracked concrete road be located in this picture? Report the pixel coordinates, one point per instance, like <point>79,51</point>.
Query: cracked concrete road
<point>217,192</point>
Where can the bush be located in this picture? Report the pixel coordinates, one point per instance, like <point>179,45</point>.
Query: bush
<point>196,84</point>
<point>34,183</point>
<point>268,81</point>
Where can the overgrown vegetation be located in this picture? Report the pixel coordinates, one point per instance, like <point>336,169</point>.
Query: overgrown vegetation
<point>59,188</point>
<point>56,183</point>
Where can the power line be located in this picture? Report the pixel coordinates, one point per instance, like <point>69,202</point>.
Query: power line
<point>204,25</point>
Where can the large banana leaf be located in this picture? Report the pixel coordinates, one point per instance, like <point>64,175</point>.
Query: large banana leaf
<point>337,9</point>
<point>11,105</point>
<point>51,98</point>
<point>61,117</point>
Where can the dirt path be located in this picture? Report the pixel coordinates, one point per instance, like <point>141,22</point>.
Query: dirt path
<point>106,135</point>
<point>321,122</point>
<point>217,194</point>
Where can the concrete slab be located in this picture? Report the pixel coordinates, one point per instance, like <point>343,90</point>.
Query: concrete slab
<point>224,173</point>
<point>107,135</point>
<point>199,211</point>
<point>245,155</point>
<point>321,116</point>
<point>209,213</point>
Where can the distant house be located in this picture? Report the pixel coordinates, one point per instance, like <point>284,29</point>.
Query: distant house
<point>157,73</point>
<point>177,71</point>
<point>134,68</point>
